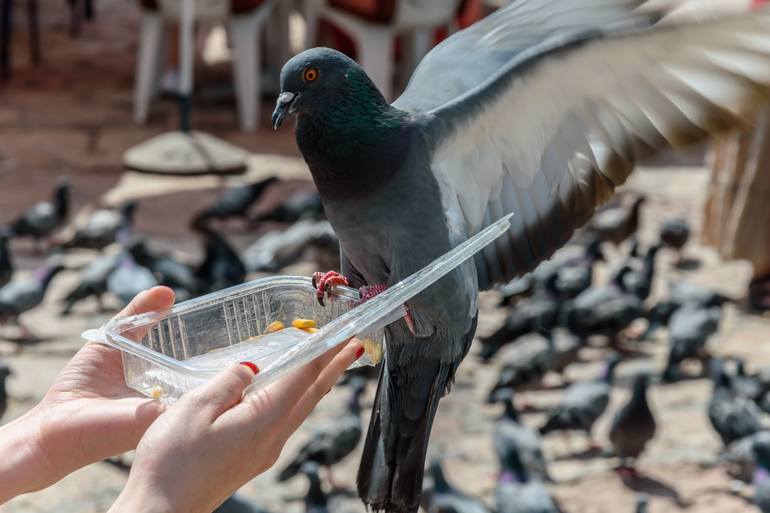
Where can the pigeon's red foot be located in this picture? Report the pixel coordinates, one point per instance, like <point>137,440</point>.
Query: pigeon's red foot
<point>627,473</point>
<point>369,291</point>
<point>324,281</point>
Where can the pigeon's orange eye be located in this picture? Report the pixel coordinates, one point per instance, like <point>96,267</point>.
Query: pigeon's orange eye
<point>310,74</point>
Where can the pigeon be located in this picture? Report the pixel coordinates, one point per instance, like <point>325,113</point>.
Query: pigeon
<point>221,266</point>
<point>277,249</point>
<point>6,265</point>
<point>674,234</point>
<point>235,504</point>
<point>681,293</point>
<point>744,384</point>
<point>761,480</point>
<point>583,403</point>
<point>541,109</point>
<point>633,427</point>
<point>732,417</point>
<point>129,279</point>
<point>519,492</point>
<point>618,223</point>
<point>739,456</point>
<point>332,441</point>
<point>509,434</point>
<point>168,271</point>
<point>103,227</point>
<point>576,276</point>
<point>24,294</point>
<point>639,281</point>
<point>92,281</point>
<point>43,218</point>
<point>316,500</point>
<point>524,365</point>
<point>445,498</point>
<point>689,330</point>
<point>235,202</point>
<point>539,313</point>
<point>302,205</point>
<point>5,371</point>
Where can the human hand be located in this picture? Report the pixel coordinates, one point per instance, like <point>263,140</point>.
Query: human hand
<point>89,413</point>
<point>213,440</point>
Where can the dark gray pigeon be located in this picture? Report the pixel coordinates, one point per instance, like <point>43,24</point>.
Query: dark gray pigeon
<point>333,440</point>
<point>618,223</point>
<point>633,427</point>
<point>168,271</point>
<point>682,293</point>
<point>583,403</point>
<point>689,331</point>
<point>674,234</point>
<point>277,249</point>
<point>638,280</point>
<point>235,202</point>
<point>316,500</point>
<point>92,281</point>
<point>5,371</point>
<point>103,227</point>
<point>24,294</point>
<point>6,264</point>
<point>733,417</point>
<point>575,276</point>
<point>129,279</point>
<point>221,266</point>
<point>519,492</point>
<point>739,457</point>
<point>761,480</point>
<point>445,498</point>
<point>540,109</point>
<point>642,503</point>
<point>509,434</point>
<point>302,205</point>
<point>43,218</point>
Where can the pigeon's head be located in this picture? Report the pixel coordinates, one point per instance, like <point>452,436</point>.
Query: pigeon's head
<point>317,79</point>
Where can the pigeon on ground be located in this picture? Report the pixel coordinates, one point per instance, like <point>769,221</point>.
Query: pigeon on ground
<point>5,371</point>
<point>576,276</point>
<point>583,403</point>
<point>746,385</point>
<point>541,109</point>
<point>519,492</point>
<point>277,249</point>
<point>761,480</point>
<point>674,234</point>
<point>235,504</point>
<point>689,331</point>
<point>316,500</point>
<point>618,223</point>
<point>632,428</point>
<point>6,264</point>
<point>103,227</point>
<point>168,271</point>
<point>24,294</point>
<point>235,202</point>
<point>524,365</point>
<point>509,434</point>
<point>732,417</point>
<point>638,281</point>
<point>43,218</point>
<point>445,498</point>
<point>681,293</point>
<point>332,441</point>
<point>221,266</point>
<point>129,279</point>
<point>302,205</point>
<point>92,281</point>
<point>739,456</point>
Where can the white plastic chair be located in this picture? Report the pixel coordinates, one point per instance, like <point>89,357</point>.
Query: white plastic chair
<point>374,41</point>
<point>245,31</point>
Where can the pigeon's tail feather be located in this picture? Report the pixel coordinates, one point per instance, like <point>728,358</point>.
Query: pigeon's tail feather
<point>392,465</point>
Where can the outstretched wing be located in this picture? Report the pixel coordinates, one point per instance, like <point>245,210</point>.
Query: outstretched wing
<point>558,127</point>
<point>462,61</point>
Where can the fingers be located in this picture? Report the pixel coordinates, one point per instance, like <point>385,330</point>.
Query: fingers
<point>221,393</point>
<point>322,385</point>
<point>156,298</point>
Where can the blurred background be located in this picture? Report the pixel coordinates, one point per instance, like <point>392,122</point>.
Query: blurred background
<point>135,149</point>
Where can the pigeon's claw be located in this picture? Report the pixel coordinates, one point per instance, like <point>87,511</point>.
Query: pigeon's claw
<point>324,281</point>
<point>369,291</point>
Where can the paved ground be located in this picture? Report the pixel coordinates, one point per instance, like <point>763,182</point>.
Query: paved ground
<point>72,116</point>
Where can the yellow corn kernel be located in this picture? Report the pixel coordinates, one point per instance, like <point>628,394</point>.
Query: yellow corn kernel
<point>311,330</point>
<point>156,392</point>
<point>274,326</point>
<point>373,350</point>
<point>303,323</point>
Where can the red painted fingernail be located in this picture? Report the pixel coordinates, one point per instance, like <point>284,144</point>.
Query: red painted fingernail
<point>251,366</point>
<point>359,353</point>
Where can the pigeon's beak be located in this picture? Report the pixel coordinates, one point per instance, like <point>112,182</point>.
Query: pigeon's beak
<point>283,108</point>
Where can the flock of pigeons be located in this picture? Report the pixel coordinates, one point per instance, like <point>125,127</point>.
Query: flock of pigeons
<point>551,314</point>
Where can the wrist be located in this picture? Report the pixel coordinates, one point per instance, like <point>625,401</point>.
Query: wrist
<point>23,467</point>
<point>136,499</point>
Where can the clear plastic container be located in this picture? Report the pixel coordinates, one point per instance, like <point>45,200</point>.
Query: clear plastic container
<point>167,353</point>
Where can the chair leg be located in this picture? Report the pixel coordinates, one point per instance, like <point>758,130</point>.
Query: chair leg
<point>76,17</point>
<point>6,21</point>
<point>34,31</point>
<point>375,54</point>
<point>150,45</point>
<point>90,11</point>
<point>244,31</point>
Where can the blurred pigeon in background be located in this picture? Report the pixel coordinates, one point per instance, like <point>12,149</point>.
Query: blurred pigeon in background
<point>237,201</point>
<point>633,427</point>
<point>129,279</point>
<point>92,281</point>
<point>43,218</point>
<point>445,498</point>
<point>24,294</point>
<point>102,228</point>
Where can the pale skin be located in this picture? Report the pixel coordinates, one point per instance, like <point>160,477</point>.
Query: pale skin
<point>89,414</point>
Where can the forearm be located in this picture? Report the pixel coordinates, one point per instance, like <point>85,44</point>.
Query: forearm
<point>23,467</point>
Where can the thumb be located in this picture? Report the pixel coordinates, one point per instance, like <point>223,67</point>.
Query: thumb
<point>222,392</point>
